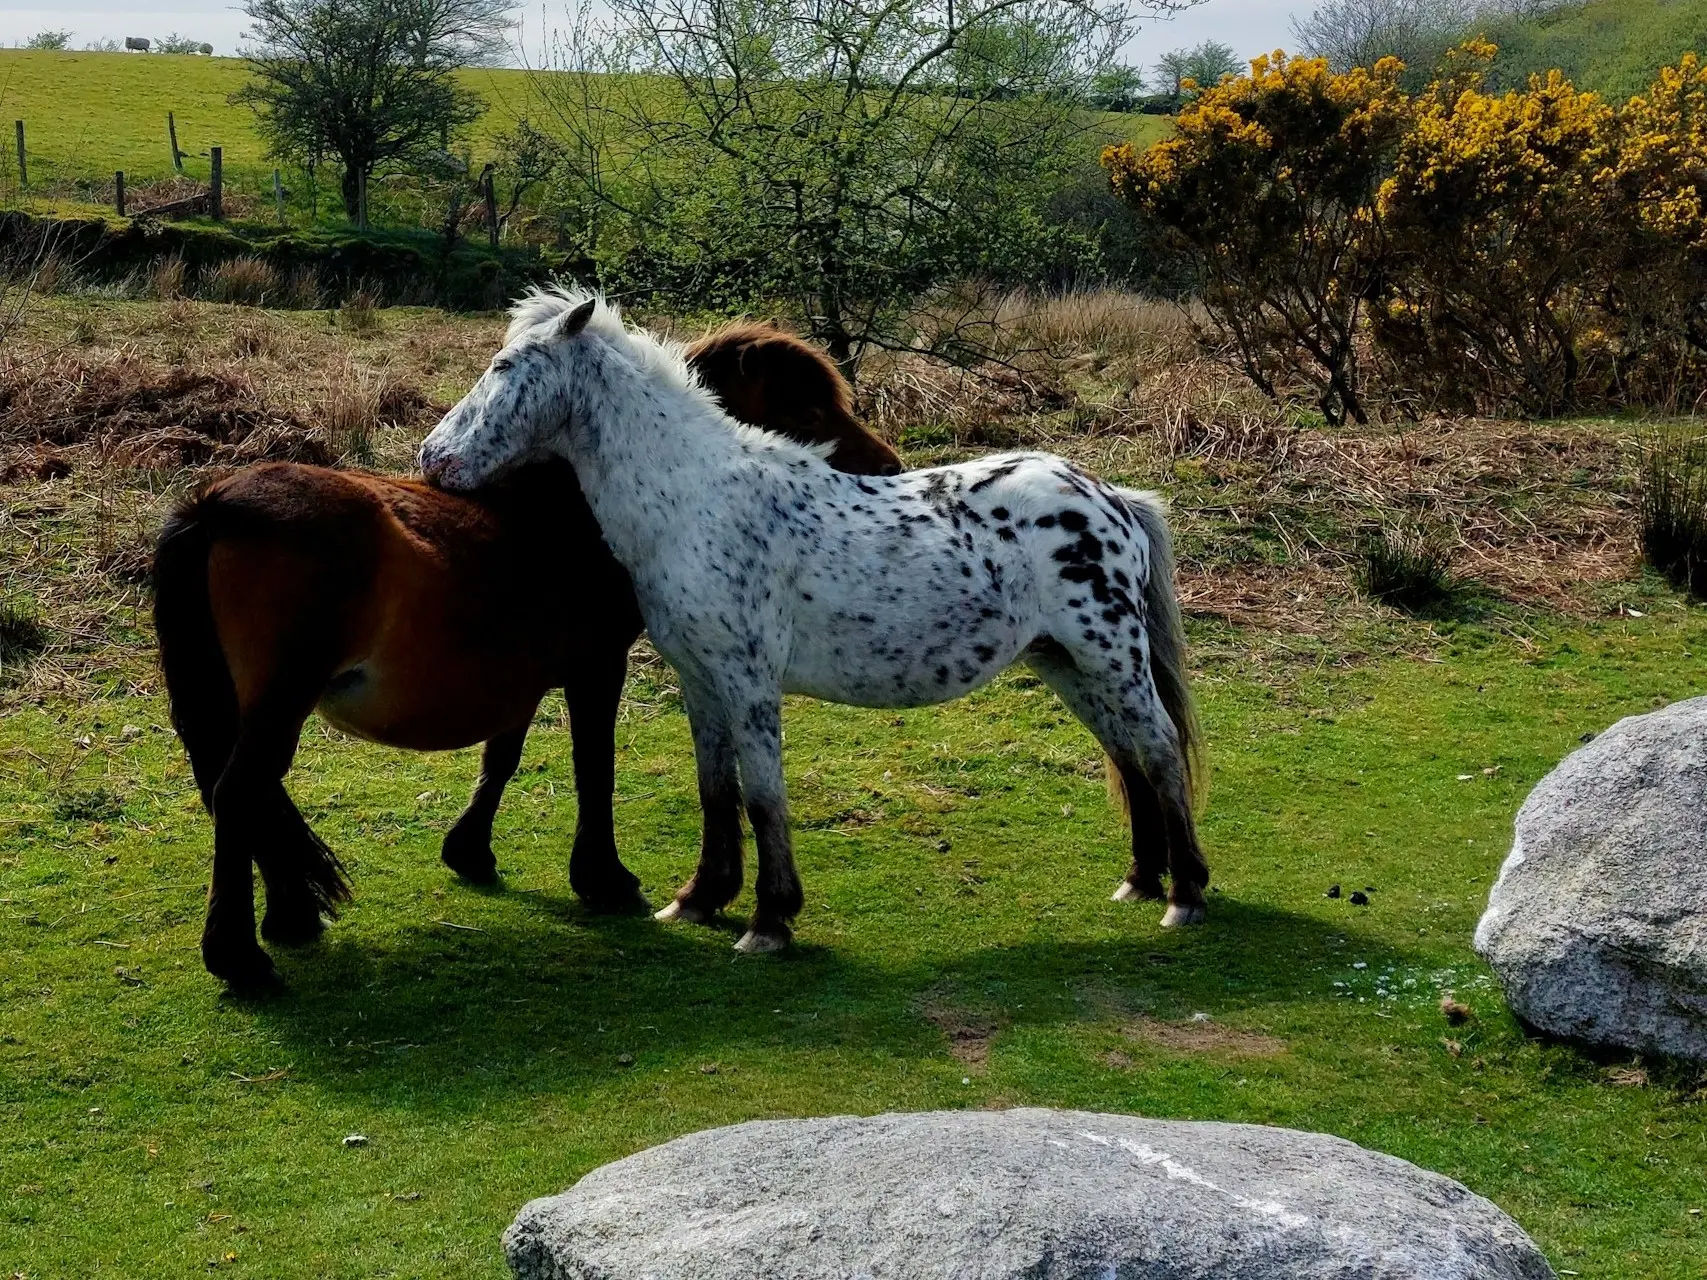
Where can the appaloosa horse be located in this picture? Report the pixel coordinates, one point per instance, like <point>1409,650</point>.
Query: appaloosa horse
<point>760,571</point>
<point>420,619</point>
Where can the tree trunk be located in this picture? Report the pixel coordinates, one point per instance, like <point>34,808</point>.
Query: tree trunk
<point>351,189</point>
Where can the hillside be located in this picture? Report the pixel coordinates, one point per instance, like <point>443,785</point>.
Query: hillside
<point>87,114</point>
<point>1610,46</point>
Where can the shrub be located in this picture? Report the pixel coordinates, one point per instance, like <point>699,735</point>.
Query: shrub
<point>1494,236</point>
<point>1267,185</point>
<point>22,636</point>
<point>1656,187</point>
<point>1673,506</point>
<point>248,281</point>
<point>1405,565</point>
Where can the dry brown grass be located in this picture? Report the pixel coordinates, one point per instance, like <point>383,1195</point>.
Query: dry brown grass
<point>109,409</point>
<point>247,281</point>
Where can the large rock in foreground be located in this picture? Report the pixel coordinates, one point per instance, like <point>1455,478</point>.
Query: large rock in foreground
<point>1000,1195</point>
<point>1597,927</point>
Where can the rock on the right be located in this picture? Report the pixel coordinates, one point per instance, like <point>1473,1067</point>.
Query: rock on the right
<point>1597,926</point>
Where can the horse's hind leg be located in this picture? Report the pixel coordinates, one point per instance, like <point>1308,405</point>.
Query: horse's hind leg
<point>718,878</point>
<point>246,830</point>
<point>1122,709</point>
<point>1149,833</point>
<point>289,863</point>
<point>467,848</point>
<point>596,873</point>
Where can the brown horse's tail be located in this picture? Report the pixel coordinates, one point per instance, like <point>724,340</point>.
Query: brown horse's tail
<point>200,690</point>
<point>1167,644</point>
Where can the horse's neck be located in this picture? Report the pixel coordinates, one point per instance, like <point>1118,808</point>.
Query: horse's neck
<point>651,460</point>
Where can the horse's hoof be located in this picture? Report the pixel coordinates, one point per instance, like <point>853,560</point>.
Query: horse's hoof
<point>246,971</point>
<point>686,912</point>
<point>472,861</point>
<point>632,903</point>
<point>1180,914</point>
<point>755,943</point>
<point>296,928</point>
<point>1126,891</point>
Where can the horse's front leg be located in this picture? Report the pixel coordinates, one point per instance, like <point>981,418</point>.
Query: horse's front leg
<point>718,877</point>
<point>468,845</point>
<point>594,696</point>
<point>758,744</point>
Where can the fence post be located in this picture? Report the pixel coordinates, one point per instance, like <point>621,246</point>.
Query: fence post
<point>278,197</point>
<point>23,172</point>
<point>491,211</point>
<point>361,199</point>
<point>118,191</point>
<point>216,183</point>
<point>172,133</point>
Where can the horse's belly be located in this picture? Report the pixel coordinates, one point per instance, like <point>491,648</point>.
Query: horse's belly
<point>420,713</point>
<point>866,669</point>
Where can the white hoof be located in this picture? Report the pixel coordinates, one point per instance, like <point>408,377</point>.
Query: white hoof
<point>1124,892</point>
<point>1177,915</point>
<point>687,915</point>
<point>753,943</point>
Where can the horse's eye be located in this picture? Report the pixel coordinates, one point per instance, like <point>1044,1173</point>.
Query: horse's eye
<point>502,366</point>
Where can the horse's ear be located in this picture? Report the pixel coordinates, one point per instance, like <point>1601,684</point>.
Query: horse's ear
<point>576,320</point>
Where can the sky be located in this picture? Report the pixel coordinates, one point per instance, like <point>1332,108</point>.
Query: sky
<point>1250,26</point>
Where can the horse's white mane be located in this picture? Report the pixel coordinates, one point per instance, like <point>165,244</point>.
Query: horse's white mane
<point>658,356</point>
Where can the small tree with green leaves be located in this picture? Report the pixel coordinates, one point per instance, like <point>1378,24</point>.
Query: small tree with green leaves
<point>349,79</point>
<point>49,40</point>
<point>843,157</point>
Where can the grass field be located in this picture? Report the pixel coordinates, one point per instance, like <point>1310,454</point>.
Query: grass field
<point>89,114</point>
<point>957,949</point>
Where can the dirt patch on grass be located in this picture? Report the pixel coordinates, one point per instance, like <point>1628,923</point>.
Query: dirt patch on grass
<point>1207,1036</point>
<point>969,1032</point>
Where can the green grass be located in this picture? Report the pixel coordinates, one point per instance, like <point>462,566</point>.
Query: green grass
<point>1614,47</point>
<point>957,862</point>
<point>89,114</point>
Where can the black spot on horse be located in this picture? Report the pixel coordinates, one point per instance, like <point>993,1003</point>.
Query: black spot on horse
<point>1001,513</point>
<point>1073,521</point>
<point>1006,534</point>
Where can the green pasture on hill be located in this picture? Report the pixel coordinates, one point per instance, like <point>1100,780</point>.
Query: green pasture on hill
<point>89,114</point>
<point>957,950</point>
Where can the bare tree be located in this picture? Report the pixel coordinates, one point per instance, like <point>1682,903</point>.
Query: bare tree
<point>1358,33</point>
<point>847,156</point>
<point>466,32</point>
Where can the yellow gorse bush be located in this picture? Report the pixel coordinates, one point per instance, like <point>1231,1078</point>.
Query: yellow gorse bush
<point>1537,247</point>
<point>1265,182</point>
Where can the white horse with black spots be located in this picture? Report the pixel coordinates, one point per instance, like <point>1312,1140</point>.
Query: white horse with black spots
<point>761,571</point>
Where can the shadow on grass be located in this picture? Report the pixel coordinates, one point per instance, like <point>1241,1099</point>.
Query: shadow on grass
<point>454,1020</point>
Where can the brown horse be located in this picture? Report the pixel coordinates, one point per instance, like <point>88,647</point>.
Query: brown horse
<point>426,620</point>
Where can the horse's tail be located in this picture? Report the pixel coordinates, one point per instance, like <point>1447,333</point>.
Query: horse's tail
<point>199,687</point>
<point>1167,642</point>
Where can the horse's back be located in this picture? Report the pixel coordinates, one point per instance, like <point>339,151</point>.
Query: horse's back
<point>419,609</point>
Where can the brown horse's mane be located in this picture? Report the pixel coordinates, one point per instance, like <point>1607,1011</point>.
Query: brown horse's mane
<point>816,377</point>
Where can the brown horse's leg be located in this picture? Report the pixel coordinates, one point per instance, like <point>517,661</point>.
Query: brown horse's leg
<point>301,875</point>
<point>245,830</point>
<point>468,845</point>
<point>718,878</point>
<point>594,695</point>
<point>1149,835</point>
